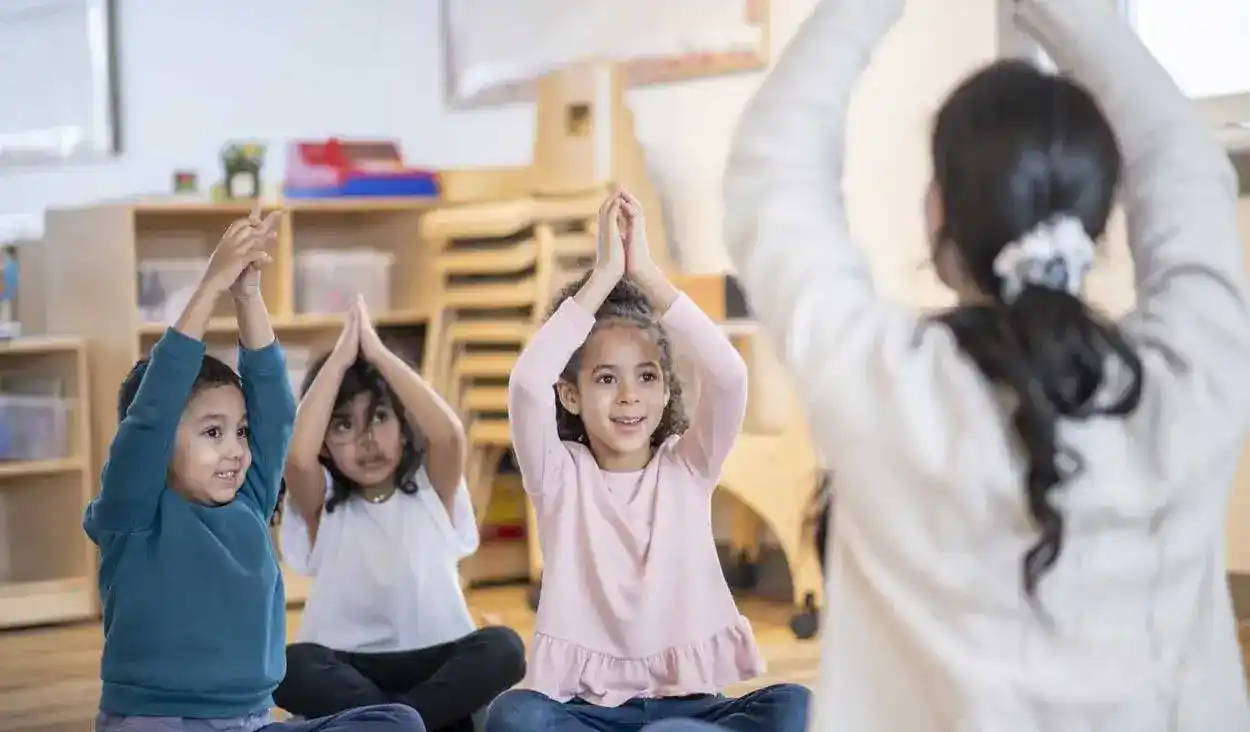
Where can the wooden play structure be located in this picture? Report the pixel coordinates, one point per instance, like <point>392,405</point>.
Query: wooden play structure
<point>522,234</point>
<point>509,241</point>
<point>460,282</point>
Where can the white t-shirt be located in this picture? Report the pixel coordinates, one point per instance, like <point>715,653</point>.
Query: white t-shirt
<point>385,576</point>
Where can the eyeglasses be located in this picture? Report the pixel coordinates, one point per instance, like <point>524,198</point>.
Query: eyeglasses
<point>348,428</point>
<point>345,434</point>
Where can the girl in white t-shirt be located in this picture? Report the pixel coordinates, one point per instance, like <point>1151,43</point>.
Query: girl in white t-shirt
<point>377,513</point>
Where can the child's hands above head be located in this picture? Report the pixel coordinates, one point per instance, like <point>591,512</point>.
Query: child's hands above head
<point>371,346</point>
<point>610,259</point>
<point>241,248</point>
<point>640,268</point>
<point>347,347</point>
<point>634,235</point>
<point>264,232</point>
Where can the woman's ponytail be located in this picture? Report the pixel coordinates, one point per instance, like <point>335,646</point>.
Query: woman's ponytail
<point>1025,169</point>
<point>1051,352</point>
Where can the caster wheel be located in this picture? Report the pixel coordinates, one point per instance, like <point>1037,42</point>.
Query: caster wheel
<point>742,574</point>
<point>806,624</point>
<point>533,593</point>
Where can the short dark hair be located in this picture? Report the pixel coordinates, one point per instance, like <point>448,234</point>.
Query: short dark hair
<point>627,303</point>
<point>213,372</point>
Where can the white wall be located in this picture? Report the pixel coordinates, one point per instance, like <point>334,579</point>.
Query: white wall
<point>198,72</point>
<point>1206,50</point>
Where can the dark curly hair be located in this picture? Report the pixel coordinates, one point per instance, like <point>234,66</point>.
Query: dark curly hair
<point>627,303</point>
<point>364,378</point>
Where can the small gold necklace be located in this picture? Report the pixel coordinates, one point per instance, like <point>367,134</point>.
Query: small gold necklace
<point>381,497</point>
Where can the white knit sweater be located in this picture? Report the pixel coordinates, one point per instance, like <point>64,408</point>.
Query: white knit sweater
<point>928,629</point>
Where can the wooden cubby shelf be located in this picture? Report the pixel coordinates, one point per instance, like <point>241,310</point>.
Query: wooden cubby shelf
<point>102,249</point>
<point>47,564</point>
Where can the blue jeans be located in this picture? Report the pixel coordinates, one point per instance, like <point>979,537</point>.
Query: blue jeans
<point>379,718</point>
<point>778,708</point>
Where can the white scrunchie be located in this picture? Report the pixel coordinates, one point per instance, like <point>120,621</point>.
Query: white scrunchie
<point>1057,255</point>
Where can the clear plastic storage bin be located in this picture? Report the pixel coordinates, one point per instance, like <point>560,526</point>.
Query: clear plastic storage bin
<point>166,285</point>
<point>297,362</point>
<point>298,359</point>
<point>33,427</point>
<point>326,281</point>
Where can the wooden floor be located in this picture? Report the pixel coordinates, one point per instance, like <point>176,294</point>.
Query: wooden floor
<point>49,678</point>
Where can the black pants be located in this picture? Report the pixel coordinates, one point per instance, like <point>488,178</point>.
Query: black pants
<point>446,684</point>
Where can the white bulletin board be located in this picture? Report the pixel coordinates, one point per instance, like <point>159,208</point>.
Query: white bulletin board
<point>495,50</point>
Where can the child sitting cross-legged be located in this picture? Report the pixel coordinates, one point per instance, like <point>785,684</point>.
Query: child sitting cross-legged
<point>194,609</point>
<point>636,625</point>
<point>377,512</point>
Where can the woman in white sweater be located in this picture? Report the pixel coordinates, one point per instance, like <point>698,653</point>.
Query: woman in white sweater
<point>1031,498</point>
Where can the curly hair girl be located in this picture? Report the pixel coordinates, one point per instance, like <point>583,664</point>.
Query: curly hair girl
<point>626,305</point>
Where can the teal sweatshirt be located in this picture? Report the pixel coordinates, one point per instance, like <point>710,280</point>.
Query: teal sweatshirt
<point>194,611</point>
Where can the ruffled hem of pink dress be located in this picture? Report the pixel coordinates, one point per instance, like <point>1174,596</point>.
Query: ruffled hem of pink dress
<point>563,670</point>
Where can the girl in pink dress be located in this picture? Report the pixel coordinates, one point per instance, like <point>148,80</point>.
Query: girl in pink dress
<point>636,624</point>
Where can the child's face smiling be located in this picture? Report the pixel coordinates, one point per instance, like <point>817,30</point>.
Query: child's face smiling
<point>620,395</point>
<point>365,442</point>
<point>211,451</point>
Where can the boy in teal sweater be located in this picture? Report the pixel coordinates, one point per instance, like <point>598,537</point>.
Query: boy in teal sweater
<point>194,609</point>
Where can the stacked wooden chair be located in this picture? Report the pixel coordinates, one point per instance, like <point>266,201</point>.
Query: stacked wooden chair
<point>510,239</point>
<point>499,267</point>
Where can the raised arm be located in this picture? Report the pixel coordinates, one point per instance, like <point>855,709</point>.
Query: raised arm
<point>270,417</point>
<point>305,476</point>
<point>852,354</point>
<point>721,400</point>
<point>539,452</point>
<point>1180,194</point>
<point>134,476</point>
<point>255,328</point>
<point>531,386</point>
<point>722,376</point>
<point>448,447</point>
<point>262,367</point>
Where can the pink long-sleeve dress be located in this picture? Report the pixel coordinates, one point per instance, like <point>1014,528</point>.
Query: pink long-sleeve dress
<point>634,603</point>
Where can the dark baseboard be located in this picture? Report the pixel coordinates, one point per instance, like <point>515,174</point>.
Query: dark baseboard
<point>1239,587</point>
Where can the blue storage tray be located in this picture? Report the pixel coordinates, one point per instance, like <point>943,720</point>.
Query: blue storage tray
<point>424,187</point>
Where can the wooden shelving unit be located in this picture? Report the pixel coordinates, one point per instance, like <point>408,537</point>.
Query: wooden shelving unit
<point>47,564</point>
<point>95,252</point>
<point>468,287</point>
